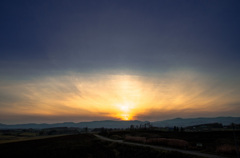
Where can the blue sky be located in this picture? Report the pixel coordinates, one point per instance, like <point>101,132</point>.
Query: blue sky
<point>53,39</point>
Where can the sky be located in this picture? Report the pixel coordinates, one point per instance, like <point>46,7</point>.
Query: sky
<point>89,60</point>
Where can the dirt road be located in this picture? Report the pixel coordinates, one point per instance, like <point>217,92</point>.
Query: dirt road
<point>161,148</point>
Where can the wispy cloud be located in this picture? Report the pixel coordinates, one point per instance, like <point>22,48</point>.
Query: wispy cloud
<point>172,94</point>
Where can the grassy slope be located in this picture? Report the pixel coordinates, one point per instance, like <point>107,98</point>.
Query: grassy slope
<point>82,145</point>
<point>12,139</point>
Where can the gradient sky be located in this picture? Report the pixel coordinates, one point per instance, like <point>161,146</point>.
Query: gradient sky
<point>85,60</point>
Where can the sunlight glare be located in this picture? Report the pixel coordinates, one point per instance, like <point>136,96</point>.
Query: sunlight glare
<point>125,110</point>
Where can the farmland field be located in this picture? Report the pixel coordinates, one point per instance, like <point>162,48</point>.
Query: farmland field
<point>81,145</point>
<point>213,142</point>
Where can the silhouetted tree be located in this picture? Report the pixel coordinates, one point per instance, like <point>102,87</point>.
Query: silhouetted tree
<point>86,129</point>
<point>181,129</point>
<point>175,129</point>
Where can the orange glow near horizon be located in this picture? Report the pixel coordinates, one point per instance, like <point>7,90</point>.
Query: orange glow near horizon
<point>125,111</point>
<point>124,97</point>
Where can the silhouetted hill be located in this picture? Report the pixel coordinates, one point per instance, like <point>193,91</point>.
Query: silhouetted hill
<point>195,121</point>
<point>93,124</point>
<point>110,124</point>
<point>125,124</point>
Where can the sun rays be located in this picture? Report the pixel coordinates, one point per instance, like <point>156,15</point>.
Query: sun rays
<point>124,97</point>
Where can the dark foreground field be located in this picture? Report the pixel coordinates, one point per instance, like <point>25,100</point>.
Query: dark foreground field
<point>223,143</point>
<point>81,146</point>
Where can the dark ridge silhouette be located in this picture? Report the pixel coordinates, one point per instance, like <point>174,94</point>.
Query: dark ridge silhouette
<point>180,122</point>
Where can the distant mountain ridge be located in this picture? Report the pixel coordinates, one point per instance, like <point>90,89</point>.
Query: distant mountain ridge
<point>92,124</point>
<point>196,121</point>
<point>181,122</point>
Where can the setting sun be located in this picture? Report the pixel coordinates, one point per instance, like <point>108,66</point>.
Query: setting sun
<point>125,117</point>
<point>125,111</point>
